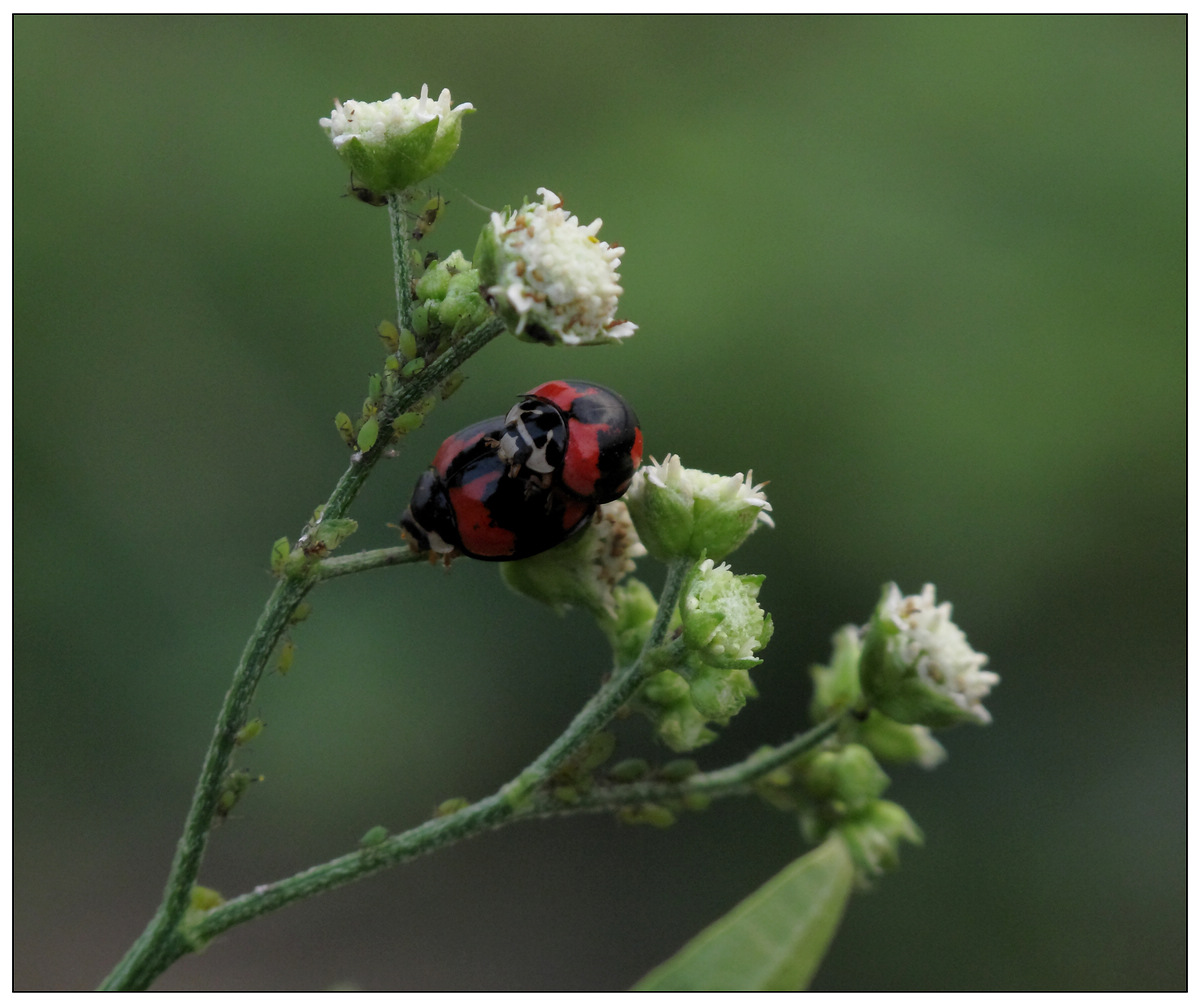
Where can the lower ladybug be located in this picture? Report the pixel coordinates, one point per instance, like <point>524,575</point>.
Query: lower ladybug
<point>584,436</point>
<point>471,502</point>
<point>516,485</point>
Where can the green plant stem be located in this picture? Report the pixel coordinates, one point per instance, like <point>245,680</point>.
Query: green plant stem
<point>493,812</point>
<point>398,222</point>
<point>604,704</point>
<point>161,942</point>
<point>403,401</point>
<point>733,780</point>
<point>373,558</point>
<point>511,802</point>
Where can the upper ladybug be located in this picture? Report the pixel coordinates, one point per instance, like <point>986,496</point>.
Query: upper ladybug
<point>585,436</point>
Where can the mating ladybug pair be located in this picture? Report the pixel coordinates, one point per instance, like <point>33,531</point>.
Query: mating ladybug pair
<point>516,485</point>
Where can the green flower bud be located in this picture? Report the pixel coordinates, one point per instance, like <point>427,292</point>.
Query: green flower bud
<point>835,687</point>
<point>550,277</point>
<point>721,693</point>
<point>636,607</point>
<point>723,624</point>
<point>679,724</point>
<point>874,833</point>
<point>917,666</point>
<point>665,688</point>
<point>585,570</point>
<point>851,776</point>
<point>682,512</point>
<point>394,144</point>
<point>899,742</point>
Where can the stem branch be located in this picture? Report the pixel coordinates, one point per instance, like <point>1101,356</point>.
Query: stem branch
<point>494,812</point>
<point>162,942</point>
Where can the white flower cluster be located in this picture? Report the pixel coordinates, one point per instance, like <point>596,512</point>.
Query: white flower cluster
<point>555,275</point>
<point>931,642</point>
<point>376,122</point>
<point>615,546</point>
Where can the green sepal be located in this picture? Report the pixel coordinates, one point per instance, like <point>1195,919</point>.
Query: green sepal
<point>873,835</point>
<point>400,162</point>
<point>899,742</point>
<point>835,686</point>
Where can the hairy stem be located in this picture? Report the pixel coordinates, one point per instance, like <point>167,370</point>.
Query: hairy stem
<point>496,811</point>
<point>733,780</point>
<point>373,558</point>
<point>513,801</point>
<point>161,942</point>
<point>399,227</point>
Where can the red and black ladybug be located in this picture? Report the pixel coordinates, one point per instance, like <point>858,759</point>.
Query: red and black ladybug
<point>585,435</point>
<point>516,485</point>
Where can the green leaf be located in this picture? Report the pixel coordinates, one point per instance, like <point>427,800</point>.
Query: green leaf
<point>775,939</point>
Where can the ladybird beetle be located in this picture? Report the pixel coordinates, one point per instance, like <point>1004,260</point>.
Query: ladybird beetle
<point>516,485</point>
<point>471,502</point>
<point>584,435</point>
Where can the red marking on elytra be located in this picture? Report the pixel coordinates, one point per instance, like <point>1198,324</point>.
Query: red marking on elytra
<point>476,528</point>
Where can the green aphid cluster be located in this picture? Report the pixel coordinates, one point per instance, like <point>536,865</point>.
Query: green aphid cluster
<point>447,306</point>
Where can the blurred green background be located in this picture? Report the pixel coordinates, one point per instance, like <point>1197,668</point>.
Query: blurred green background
<point>926,275</point>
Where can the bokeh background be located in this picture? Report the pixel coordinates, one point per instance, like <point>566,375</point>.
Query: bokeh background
<point>926,275</point>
